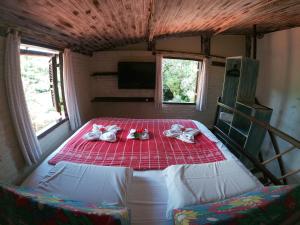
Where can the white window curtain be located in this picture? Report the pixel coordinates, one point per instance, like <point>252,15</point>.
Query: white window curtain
<point>158,98</point>
<point>70,92</point>
<point>201,100</point>
<point>16,99</point>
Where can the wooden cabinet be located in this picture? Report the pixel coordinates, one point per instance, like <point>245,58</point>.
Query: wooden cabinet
<point>246,134</point>
<point>240,80</point>
<point>239,92</point>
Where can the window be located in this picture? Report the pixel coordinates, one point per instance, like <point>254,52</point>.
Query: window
<point>41,71</point>
<point>180,78</point>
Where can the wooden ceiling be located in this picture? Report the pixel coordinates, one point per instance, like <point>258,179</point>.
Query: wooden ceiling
<point>92,25</point>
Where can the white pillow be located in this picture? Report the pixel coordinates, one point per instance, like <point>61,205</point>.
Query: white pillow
<point>203,183</point>
<point>104,185</point>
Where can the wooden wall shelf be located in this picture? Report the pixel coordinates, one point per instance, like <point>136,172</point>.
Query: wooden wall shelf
<point>104,74</point>
<point>123,99</point>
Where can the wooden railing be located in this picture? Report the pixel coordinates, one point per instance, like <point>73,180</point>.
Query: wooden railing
<point>273,132</point>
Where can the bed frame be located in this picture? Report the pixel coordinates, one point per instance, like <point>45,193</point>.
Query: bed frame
<point>259,164</point>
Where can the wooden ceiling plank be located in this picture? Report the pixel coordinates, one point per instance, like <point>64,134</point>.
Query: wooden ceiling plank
<point>36,29</point>
<point>90,25</point>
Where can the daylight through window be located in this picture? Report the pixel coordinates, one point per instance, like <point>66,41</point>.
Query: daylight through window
<point>42,83</point>
<point>180,78</point>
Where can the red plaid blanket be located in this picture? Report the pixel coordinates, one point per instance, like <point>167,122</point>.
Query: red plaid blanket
<point>156,153</point>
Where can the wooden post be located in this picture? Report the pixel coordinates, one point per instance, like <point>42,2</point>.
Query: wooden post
<point>277,151</point>
<point>151,46</point>
<point>254,41</point>
<point>217,112</point>
<point>248,46</point>
<point>205,45</point>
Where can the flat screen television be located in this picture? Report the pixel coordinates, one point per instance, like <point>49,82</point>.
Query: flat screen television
<point>136,75</point>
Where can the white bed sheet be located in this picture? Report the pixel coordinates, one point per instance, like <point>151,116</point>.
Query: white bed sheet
<point>148,194</point>
<point>109,184</point>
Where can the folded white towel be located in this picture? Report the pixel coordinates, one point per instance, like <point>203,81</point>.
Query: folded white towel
<point>188,135</point>
<point>143,136</point>
<point>102,129</point>
<point>108,136</point>
<point>91,136</point>
<point>175,131</point>
<point>100,132</point>
<point>184,134</point>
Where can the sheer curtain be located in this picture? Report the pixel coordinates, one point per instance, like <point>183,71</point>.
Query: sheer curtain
<point>16,99</point>
<point>158,85</point>
<point>201,100</point>
<point>70,92</point>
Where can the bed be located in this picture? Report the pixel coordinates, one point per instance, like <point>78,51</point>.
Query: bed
<point>148,195</point>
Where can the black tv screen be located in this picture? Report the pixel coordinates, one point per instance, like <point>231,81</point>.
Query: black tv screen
<point>136,75</point>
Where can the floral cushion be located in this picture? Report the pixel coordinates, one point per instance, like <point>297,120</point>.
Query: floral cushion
<point>19,205</point>
<point>268,206</point>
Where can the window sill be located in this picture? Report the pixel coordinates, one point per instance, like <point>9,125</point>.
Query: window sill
<point>50,128</point>
<point>178,103</point>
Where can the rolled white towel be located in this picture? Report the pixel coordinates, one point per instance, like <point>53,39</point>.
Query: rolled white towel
<point>100,132</point>
<point>91,136</point>
<point>97,128</point>
<point>113,128</point>
<point>108,136</point>
<point>184,134</point>
<point>188,135</point>
<point>191,131</point>
<point>177,127</point>
<point>175,131</point>
<point>142,136</point>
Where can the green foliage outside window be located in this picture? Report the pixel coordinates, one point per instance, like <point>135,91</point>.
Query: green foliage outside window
<point>179,80</point>
<point>36,84</point>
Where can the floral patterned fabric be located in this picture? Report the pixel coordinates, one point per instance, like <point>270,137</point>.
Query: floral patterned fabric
<point>268,206</point>
<point>24,206</point>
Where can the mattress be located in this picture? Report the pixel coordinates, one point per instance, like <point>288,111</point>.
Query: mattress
<point>147,198</point>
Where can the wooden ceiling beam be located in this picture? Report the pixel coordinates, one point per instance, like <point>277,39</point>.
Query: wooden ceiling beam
<point>150,34</point>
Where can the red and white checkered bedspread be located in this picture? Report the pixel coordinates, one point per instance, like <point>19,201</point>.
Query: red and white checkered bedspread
<point>156,153</point>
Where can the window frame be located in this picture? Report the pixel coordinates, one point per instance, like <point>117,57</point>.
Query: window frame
<point>52,126</point>
<point>197,80</point>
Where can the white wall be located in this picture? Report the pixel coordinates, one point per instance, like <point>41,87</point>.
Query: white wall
<point>107,86</point>
<point>228,45</point>
<point>279,88</point>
